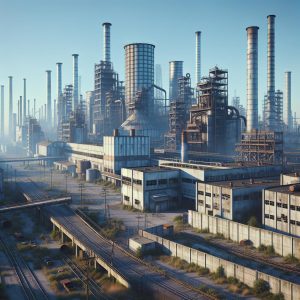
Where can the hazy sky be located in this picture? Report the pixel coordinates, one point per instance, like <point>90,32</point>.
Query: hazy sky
<point>35,34</point>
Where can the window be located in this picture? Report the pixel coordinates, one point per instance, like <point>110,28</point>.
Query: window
<point>225,196</point>
<point>293,207</point>
<point>207,205</point>
<point>162,181</point>
<point>272,203</point>
<point>298,208</point>
<point>151,182</point>
<point>272,217</point>
<point>293,222</point>
<point>208,194</point>
<point>298,223</point>
<point>200,193</point>
<point>136,201</point>
<point>200,202</point>
<point>278,204</point>
<point>284,205</point>
<point>137,181</point>
<point>267,216</point>
<point>126,198</point>
<point>267,202</point>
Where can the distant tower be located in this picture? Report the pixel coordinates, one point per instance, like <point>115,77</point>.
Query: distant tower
<point>21,112</point>
<point>24,100</point>
<point>2,112</point>
<point>49,111</point>
<point>287,102</point>
<point>198,56</point>
<point>106,41</point>
<point>10,108</point>
<point>252,74</point>
<point>139,74</point>
<point>75,81</point>
<point>270,105</point>
<point>59,93</point>
<point>34,107</point>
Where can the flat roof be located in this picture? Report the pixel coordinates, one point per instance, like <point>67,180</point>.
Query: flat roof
<point>295,174</point>
<point>213,165</point>
<point>153,169</point>
<point>142,240</point>
<point>242,183</point>
<point>285,189</point>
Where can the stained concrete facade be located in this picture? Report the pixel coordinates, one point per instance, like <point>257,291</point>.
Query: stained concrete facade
<point>281,209</point>
<point>236,200</point>
<point>244,274</point>
<point>283,244</point>
<point>151,188</point>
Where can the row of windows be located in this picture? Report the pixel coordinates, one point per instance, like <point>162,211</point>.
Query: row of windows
<point>161,181</point>
<point>283,219</point>
<point>224,196</point>
<point>283,205</point>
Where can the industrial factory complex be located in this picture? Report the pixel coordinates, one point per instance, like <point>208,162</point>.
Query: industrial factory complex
<point>187,149</point>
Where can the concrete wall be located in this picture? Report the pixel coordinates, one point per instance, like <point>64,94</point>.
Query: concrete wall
<point>246,275</point>
<point>283,244</point>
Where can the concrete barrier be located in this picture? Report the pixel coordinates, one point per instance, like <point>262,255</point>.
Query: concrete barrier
<point>283,244</point>
<point>291,291</point>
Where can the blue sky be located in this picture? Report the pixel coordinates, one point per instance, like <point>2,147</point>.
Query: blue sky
<point>35,34</point>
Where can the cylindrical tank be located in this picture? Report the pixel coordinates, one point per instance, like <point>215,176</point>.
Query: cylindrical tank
<point>92,175</point>
<point>139,72</point>
<point>82,166</point>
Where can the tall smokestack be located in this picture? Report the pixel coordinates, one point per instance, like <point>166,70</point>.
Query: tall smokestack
<point>252,74</point>
<point>106,41</point>
<point>55,114</point>
<point>2,112</point>
<point>10,108</point>
<point>34,107</point>
<point>175,72</point>
<point>49,112</point>
<point>198,56</point>
<point>18,123</point>
<point>21,112</point>
<point>270,109</point>
<point>287,101</point>
<point>75,81</point>
<point>24,101</point>
<point>28,107</point>
<point>59,92</point>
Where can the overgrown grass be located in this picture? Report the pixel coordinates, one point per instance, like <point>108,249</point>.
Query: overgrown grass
<point>209,291</point>
<point>181,264</point>
<point>267,250</point>
<point>129,208</point>
<point>290,259</point>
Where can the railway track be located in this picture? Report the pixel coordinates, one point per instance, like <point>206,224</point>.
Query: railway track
<point>242,254</point>
<point>125,263</point>
<point>31,286</point>
<point>93,285</point>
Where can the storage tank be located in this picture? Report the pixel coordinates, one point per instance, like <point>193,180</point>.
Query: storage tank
<point>92,175</point>
<point>82,166</point>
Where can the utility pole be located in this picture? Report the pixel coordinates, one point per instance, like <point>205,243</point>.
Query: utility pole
<point>51,178</point>
<point>105,209</point>
<point>66,177</point>
<point>81,188</point>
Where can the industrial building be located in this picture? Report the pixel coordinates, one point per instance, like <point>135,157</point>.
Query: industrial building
<point>107,91</point>
<point>213,126</point>
<point>74,129</point>
<point>1,184</point>
<point>281,209</point>
<point>188,176</point>
<point>236,200</point>
<point>116,153</point>
<point>153,189</point>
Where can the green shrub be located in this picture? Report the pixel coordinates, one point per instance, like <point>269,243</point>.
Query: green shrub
<point>232,280</point>
<point>262,248</point>
<point>290,259</point>
<point>220,272</point>
<point>139,253</point>
<point>253,222</point>
<point>261,287</point>
<point>178,219</point>
<point>270,250</point>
